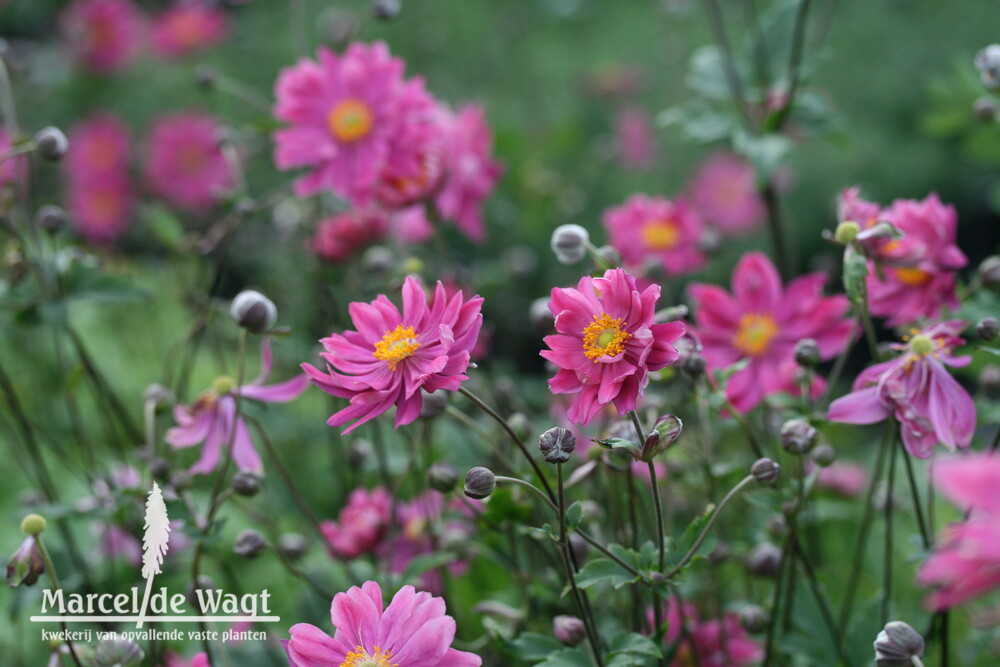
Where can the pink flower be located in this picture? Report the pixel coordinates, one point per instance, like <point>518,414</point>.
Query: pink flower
<point>715,643</point>
<point>471,174</point>
<point>930,405</point>
<point>413,630</point>
<point>391,357</point>
<point>187,28</point>
<point>658,230</point>
<point>9,168</point>
<point>844,477</point>
<point>635,144</point>
<point>211,419</point>
<point>606,343</point>
<point>724,192</point>
<point>99,145</point>
<point>340,237</point>
<point>362,523</point>
<point>761,321</point>
<point>967,563</point>
<point>185,166</point>
<point>104,35</point>
<point>343,113</point>
<point>100,209</point>
<point>174,660</point>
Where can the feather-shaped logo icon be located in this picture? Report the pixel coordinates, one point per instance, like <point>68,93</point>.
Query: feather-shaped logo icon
<point>155,541</point>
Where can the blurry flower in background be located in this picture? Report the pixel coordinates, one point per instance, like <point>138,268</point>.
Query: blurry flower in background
<point>714,643</point>
<point>341,236</point>
<point>762,321</point>
<point>635,141</point>
<point>844,477</point>
<point>361,524</point>
<point>724,192</point>
<point>103,35</point>
<point>99,197</point>
<point>9,168</point>
<point>653,229</point>
<point>185,165</point>
<point>188,27</point>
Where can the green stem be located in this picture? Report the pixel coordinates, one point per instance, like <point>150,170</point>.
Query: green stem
<point>51,569</point>
<point>887,555</point>
<point>925,537</point>
<point>655,492</point>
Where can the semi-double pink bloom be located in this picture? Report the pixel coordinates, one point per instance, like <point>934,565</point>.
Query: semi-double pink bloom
<point>186,167</point>
<point>658,231</point>
<point>931,406</point>
<point>393,357</point>
<point>362,523</point>
<point>607,343</point>
<point>714,643</point>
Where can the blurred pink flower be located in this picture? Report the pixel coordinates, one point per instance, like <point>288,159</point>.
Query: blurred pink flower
<point>471,172</point>
<point>9,168</point>
<point>724,192</point>
<point>761,321</point>
<point>412,630</point>
<point>343,114</point>
<point>967,563</point>
<point>185,165</point>
<point>341,236</point>
<point>392,356</point>
<point>99,145</point>
<point>606,343</point>
<point>635,143</point>
<point>174,660</point>
<point>916,387</point>
<point>715,643</point>
<point>410,225</point>
<point>211,419</point>
<point>104,35</point>
<point>659,230</point>
<point>100,209</point>
<point>188,27</point>
<point>844,477</point>
<point>362,523</point>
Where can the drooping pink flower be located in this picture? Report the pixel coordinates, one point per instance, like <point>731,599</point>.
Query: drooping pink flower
<point>104,35</point>
<point>413,630</point>
<point>724,192</point>
<point>188,27</point>
<point>653,229</point>
<point>341,236</point>
<point>635,143</point>
<point>606,343</point>
<point>713,643</point>
<point>471,171</point>
<point>185,165</point>
<point>392,357</point>
<point>931,406</point>
<point>343,114</point>
<point>966,563</point>
<point>761,321</point>
<point>212,421</point>
<point>362,523</point>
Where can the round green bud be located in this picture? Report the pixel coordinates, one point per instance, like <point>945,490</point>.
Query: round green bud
<point>847,231</point>
<point>33,524</point>
<point>921,345</point>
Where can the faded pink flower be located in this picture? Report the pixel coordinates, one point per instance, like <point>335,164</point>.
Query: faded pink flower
<point>185,165</point>
<point>714,643</point>
<point>100,209</point>
<point>104,35</point>
<point>99,145</point>
<point>844,477</point>
<point>188,27</point>
<point>211,419</point>
<point>392,357</point>
<point>606,343</point>
<point>916,387</point>
<point>967,563</point>
<point>471,173</point>
<point>341,236</point>
<point>412,631</point>
<point>653,229</point>
<point>362,523</point>
<point>635,143</point>
<point>761,321</point>
<point>724,192</point>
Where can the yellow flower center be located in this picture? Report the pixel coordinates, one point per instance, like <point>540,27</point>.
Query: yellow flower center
<point>755,334</point>
<point>359,657</point>
<point>921,345</point>
<point>222,385</point>
<point>351,120</point>
<point>912,277</point>
<point>660,234</point>
<point>396,345</point>
<point>604,337</point>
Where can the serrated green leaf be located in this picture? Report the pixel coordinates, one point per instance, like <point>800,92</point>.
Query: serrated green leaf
<point>635,643</point>
<point>601,571</point>
<point>535,646</point>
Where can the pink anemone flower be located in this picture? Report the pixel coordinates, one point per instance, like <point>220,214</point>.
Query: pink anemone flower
<point>931,406</point>
<point>714,643</point>
<point>966,563</point>
<point>606,343</point>
<point>724,192</point>
<point>186,166</point>
<point>362,523</point>
<point>104,35</point>
<point>761,321</point>
<point>658,230</point>
<point>392,357</point>
<point>413,630</point>
<point>212,421</point>
<point>188,27</point>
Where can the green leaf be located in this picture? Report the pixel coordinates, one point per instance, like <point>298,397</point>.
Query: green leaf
<point>621,444</point>
<point>635,643</point>
<point>535,646</point>
<point>764,152</point>
<point>425,563</point>
<point>86,281</point>
<point>574,515</point>
<point>567,657</point>
<point>603,570</point>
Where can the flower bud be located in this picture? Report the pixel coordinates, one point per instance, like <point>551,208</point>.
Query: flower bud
<point>25,564</point>
<point>540,314</point>
<point>520,424</point>
<point>206,77</point>
<point>50,218</point>
<point>988,64</point>
<point>897,644</point>
<point>989,378</point>
<point>665,432</point>
<point>253,311</point>
<point>694,364</point>
<point>985,109</point>
<point>765,471</point>
<point>721,553</point>
<point>480,482</point>
<point>609,255</point>
<point>385,10</point>
<point>776,525</point>
<point>569,243</point>
<point>293,545</point>
<point>118,653</point>
<point>798,436</point>
<point>159,396</point>
<point>846,232</point>
<point>764,560</point>
<point>246,483</point>
<point>754,618</point>
<point>988,329</point>
<point>569,629</point>
<point>442,477</point>
<point>807,353</point>
<point>557,444</point>
<point>249,544</point>
<point>824,455</point>
<point>51,143</point>
<point>159,468</point>
<point>434,405</point>
<point>710,240</point>
<point>989,272</point>
<point>33,524</point>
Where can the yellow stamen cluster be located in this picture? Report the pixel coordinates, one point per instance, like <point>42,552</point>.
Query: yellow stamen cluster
<point>755,333</point>
<point>396,345</point>
<point>350,120</point>
<point>604,337</point>
<point>222,385</point>
<point>660,234</point>
<point>911,276</point>
<point>359,657</point>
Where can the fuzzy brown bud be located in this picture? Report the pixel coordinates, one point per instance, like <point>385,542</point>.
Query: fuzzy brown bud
<point>557,444</point>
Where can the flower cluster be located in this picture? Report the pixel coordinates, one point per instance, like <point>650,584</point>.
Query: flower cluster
<point>712,643</point>
<point>99,195</point>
